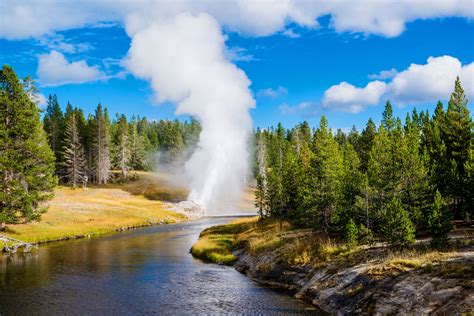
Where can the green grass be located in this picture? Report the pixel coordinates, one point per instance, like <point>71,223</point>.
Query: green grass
<point>93,211</point>
<point>216,243</point>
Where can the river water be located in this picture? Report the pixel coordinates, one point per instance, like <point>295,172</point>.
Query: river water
<point>144,271</point>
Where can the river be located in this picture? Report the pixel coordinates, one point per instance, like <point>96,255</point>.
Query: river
<point>143,271</point>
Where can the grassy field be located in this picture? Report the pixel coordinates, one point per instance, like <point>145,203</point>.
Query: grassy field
<point>102,209</point>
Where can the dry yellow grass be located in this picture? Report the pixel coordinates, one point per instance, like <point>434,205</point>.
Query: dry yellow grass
<point>94,211</point>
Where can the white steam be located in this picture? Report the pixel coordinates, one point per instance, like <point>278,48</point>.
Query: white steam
<point>184,58</point>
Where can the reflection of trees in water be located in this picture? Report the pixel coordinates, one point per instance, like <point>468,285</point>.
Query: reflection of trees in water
<point>124,254</point>
<point>34,270</point>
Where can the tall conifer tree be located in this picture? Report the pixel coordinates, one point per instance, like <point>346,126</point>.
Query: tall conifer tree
<point>26,160</point>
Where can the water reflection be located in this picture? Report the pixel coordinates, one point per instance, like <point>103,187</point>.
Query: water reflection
<point>143,271</point>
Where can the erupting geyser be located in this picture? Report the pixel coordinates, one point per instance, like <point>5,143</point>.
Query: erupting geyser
<point>184,57</point>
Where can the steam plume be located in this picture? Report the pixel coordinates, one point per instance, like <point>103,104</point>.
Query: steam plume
<point>184,58</point>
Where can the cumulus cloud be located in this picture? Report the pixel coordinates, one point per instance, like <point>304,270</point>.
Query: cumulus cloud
<point>423,83</point>
<point>384,74</point>
<point>345,97</point>
<point>19,18</point>
<point>272,93</point>
<point>54,70</point>
<point>431,81</point>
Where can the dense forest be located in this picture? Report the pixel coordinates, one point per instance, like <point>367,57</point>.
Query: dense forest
<point>390,182</point>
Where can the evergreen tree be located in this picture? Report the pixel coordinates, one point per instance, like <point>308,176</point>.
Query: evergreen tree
<point>327,176</point>
<point>340,137</point>
<point>381,172</point>
<point>100,149</point>
<point>137,149</point>
<point>123,146</point>
<point>388,121</point>
<point>457,136</point>
<point>439,221</point>
<point>53,122</point>
<point>398,228</point>
<point>26,161</point>
<point>352,183</point>
<point>365,144</point>
<point>73,153</point>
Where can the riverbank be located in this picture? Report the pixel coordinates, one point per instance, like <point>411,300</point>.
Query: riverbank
<point>341,280</point>
<point>77,213</point>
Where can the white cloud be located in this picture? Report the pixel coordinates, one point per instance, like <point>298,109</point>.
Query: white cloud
<point>345,97</point>
<point>418,84</point>
<point>388,17</point>
<point>384,74</point>
<point>237,53</point>
<point>55,70</point>
<point>290,33</point>
<point>431,81</point>
<point>19,19</point>
<point>305,108</point>
<point>272,93</point>
<point>59,43</point>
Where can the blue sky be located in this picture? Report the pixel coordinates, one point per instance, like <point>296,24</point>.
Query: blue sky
<point>298,65</point>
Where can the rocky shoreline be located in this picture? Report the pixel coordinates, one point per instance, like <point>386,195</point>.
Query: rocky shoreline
<point>357,289</point>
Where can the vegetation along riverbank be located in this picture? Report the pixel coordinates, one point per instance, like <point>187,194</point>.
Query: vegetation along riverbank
<point>334,276</point>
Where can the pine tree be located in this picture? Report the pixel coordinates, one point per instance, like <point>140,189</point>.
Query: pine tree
<point>100,149</point>
<point>365,144</point>
<point>398,228</point>
<point>123,146</point>
<point>327,176</point>
<point>380,172</point>
<point>457,136</point>
<point>26,161</point>
<point>432,141</point>
<point>439,221</point>
<point>388,120</point>
<point>138,147</point>
<point>352,184</point>
<point>73,153</point>
<point>53,122</point>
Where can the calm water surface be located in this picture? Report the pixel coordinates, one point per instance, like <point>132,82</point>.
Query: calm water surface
<point>145,271</point>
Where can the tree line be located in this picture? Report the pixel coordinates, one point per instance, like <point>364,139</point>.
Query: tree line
<point>389,182</point>
<point>87,149</point>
